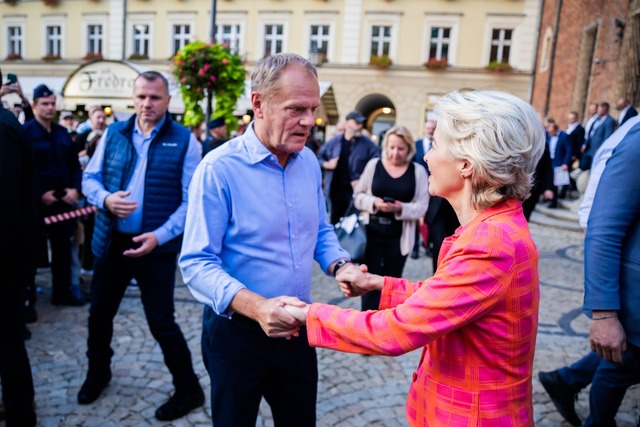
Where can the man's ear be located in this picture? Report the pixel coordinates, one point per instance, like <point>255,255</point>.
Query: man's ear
<point>257,103</point>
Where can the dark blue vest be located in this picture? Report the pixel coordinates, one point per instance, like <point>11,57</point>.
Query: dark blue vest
<point>162,182</point>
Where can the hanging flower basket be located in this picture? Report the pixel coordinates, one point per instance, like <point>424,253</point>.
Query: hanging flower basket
<point>436,64</point>
<point>204,69</point>
<point>50,2</point>
<point>499,67</point>
<point>14,56</point>
<point>380,61</point>
<point>138,56</point>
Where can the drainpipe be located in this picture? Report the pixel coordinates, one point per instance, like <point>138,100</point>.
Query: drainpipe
<point>535,56</point>
<point>124,29</point>
<point>553,57</point>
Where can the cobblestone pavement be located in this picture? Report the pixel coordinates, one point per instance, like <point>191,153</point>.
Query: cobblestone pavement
<point>354,390</point>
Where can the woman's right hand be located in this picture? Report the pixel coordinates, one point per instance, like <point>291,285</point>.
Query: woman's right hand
<point>356,280</point>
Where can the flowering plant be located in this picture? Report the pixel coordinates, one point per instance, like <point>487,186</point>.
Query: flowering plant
<point>436,64</point>
<point>380,61</point>
<point>51,57</point>
<point>499,67</point>
<point>13,56</point>
<point>208,70</point>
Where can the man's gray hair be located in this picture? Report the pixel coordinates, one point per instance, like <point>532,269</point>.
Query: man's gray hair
<point>266,73</point>
<point>500,135</point>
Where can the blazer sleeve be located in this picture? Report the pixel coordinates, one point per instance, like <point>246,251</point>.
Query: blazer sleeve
<point>612,214</point>
<point>470,282</point>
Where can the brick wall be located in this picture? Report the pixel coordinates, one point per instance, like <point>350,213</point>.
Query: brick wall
<point>577,80</point>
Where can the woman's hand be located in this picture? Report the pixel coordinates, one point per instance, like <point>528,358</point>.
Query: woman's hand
<point>355,281</point>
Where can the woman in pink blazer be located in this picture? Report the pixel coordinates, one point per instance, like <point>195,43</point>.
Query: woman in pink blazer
<point>477,317</point>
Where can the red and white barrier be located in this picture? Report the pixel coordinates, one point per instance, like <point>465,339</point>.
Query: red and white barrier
<point>69,215</point>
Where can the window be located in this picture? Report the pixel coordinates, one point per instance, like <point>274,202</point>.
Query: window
<point>53,40</point>
<point>14,40</point>
<point>380,40</point>
<point>181,36</point>
<point>273,39</point>
<point>94,39</point>
<point>500,44</point>
<point>439,45</point>
<point>141,37</point>
<point>229,35</point>
<point>319,38</point>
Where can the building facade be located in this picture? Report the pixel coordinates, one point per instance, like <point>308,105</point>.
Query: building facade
<point>588,52</point>
<point>371,54</point>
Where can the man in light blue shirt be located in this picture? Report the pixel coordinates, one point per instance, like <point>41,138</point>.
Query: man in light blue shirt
<point>139,177</point>
<point>256,221</point>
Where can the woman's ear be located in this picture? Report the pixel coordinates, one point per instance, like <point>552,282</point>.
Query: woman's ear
<point>466,169</point>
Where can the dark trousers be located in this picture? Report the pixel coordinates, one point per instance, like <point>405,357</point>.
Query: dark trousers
<point>15,370</point>
<point>609,386</point>
<point>59,236</point>
<point>383,257</point>
<point>580,374</point>
<point>155,274</point>
<point>340,200</point>
<point>245,365</point>
<point>87,255</point>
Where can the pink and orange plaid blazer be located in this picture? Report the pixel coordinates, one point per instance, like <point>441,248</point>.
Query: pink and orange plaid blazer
<point>476,318</point>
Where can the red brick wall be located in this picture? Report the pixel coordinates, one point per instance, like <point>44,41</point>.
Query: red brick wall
<point>575,16</point>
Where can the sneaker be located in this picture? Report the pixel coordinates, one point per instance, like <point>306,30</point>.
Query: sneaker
<point>180,404</point>
<point>562,396</point>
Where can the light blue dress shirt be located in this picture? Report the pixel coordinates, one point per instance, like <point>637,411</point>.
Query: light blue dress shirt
<point>253,224</point>
<point>95,192</point>
<point>598,165</point>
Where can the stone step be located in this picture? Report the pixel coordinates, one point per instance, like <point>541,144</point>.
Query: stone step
<point>564,217</point>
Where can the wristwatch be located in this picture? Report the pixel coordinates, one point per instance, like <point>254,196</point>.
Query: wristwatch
<point>338,265</point>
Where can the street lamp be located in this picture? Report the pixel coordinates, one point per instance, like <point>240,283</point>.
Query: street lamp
<point>212,39</point>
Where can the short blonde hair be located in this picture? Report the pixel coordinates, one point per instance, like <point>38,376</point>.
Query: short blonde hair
<point>500,135</point>
<point>403,133</point>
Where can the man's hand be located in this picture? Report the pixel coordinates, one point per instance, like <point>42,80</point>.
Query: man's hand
<point>119,205</point>
<point>607,337</point>
<point>71,196</point>
<point>331,164</point>
<point>356,280</point>
<point>48,198</point>
<point>277,322</point>
<point>148,242</point>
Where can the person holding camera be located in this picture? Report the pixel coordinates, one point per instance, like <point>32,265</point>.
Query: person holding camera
<point>59,182</point>
<point>392,195</point>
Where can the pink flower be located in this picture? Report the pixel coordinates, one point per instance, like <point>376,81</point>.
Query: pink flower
<point>183,79</point>
<point>225,61</point>
<point>213,78</point>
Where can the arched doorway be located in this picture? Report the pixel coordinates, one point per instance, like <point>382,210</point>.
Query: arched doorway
<point>380,113</point>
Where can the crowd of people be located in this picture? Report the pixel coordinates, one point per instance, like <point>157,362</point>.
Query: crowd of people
<point>158,196</point>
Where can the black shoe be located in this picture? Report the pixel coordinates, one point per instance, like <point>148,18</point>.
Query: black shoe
<point>92,388</point>
<point>180,404</point>
<point>415,254</point>
<point>562,396</point>
<point>69,300</point>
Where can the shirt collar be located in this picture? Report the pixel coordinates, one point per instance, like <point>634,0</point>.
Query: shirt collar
<point>256,149</point>
<point>154,131</point>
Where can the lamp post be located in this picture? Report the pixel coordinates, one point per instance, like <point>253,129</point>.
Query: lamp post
<point>212,40</point>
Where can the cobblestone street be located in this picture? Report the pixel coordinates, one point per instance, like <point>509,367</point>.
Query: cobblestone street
<point>354,390</point>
